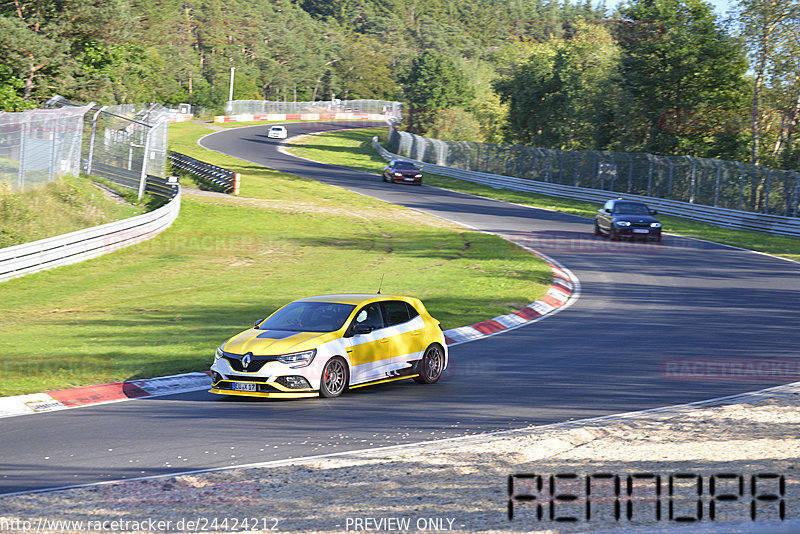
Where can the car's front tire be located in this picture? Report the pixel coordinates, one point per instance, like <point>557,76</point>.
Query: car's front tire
<point>431,366</point>
<point>597,230</point>
<point>334,378</point>
<point>612,233</point>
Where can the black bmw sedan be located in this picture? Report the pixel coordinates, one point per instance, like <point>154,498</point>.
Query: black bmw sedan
<point>621,218</point>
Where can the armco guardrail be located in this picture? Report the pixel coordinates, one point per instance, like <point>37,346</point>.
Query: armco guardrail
<point>739,220</point>
<point>154,185</point>
<point>82,245</point>
<point>220,177</point>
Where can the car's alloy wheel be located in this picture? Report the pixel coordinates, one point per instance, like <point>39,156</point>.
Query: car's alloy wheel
<point>431,366</point>
<point>334,378</point>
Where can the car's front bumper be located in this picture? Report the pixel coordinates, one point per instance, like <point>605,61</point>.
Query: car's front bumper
<point>639,233</point>
<point>406,180</point>
<point>263,383</point>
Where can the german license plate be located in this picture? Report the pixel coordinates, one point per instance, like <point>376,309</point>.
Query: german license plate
<point>408,179</point>
<point>641,231</point>
<point>240,386</point>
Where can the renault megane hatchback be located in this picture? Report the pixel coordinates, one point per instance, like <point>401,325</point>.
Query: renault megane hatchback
<point>324,345</point>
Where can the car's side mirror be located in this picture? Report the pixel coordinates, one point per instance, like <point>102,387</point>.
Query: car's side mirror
<point>653,212</point>
<point>606,210</point>
<point>362,329</point>
<point>258,322</point>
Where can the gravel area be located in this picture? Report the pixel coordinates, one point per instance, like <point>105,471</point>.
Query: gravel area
<point>462,484</point>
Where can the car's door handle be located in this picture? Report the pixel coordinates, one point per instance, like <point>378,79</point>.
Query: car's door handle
<point>385,340</point>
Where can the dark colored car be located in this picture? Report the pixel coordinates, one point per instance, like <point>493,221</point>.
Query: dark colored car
<point>627,218</point>
<point>402,172</point>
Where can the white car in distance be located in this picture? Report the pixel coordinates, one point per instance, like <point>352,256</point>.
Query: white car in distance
<point>277,132</point>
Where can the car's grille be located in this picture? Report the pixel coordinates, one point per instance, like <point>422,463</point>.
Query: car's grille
<point>641,225</point>
<point>240,378</point>
<point>256,362</point>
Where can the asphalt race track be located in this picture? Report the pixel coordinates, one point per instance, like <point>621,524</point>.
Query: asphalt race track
<point>643,308</point>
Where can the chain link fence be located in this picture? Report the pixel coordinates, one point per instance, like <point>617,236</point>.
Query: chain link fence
<point>38,146</point>
<point>711,182</point>
<point>124,143</point>
<point>264,107</point>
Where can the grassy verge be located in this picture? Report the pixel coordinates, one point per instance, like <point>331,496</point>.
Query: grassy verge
<point>162,306</point>
<point>353,148</point>
<point>59,207</point>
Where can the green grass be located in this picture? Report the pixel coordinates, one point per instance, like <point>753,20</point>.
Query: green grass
<point>347,148</point>
<point>353,148</point>
<point>163,306</point>
<point>59,207</point>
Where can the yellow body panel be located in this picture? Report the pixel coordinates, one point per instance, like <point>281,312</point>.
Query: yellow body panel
<point>249,341</point>
<point>386,354</point>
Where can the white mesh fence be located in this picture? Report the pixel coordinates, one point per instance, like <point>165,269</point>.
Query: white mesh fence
<point>38,146</point>
<point>711,182</point>
<point>264,107</point>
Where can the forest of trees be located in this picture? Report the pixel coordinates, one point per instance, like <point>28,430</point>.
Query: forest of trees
<point>662,76</point>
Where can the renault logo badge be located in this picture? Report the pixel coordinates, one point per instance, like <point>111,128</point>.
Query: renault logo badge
<point>246,360</point>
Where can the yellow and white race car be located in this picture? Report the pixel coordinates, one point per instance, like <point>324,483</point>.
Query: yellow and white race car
<point>326,344</point>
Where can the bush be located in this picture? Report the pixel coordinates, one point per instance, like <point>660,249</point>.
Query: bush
<point>456,125</point>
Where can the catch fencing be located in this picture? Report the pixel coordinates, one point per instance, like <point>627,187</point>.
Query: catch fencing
<point>265,107</point>
<point>735,219</point>
<point>710,182</point>
<point>124,142</point>
<point>38,146</point>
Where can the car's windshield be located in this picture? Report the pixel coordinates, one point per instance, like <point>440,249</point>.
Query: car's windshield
<point>308,317</point>
<point>404,165</point>
<point>277,128</point>
<point>630,208</point>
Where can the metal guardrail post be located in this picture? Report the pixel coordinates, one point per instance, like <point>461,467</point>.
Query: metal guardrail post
<point>766,196</point>
<point>741,185</point>
<point>51,171</point>
<point>671,176</point>
<point>716,187</point>
<point>92,139</point>
<point>21,170</point>
<point>145,158</point>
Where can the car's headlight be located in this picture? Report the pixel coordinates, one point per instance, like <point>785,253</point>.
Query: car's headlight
<point>418,176</point>
<point>298,359</point>
<point>398,174</point>
<point>623,223</point>
<point>218,353</point>
<point>655,225</point>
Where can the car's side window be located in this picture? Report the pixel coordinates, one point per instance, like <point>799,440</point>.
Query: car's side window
<point>370,315</point>
<point>395,312</point>
<point>412,312</point>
